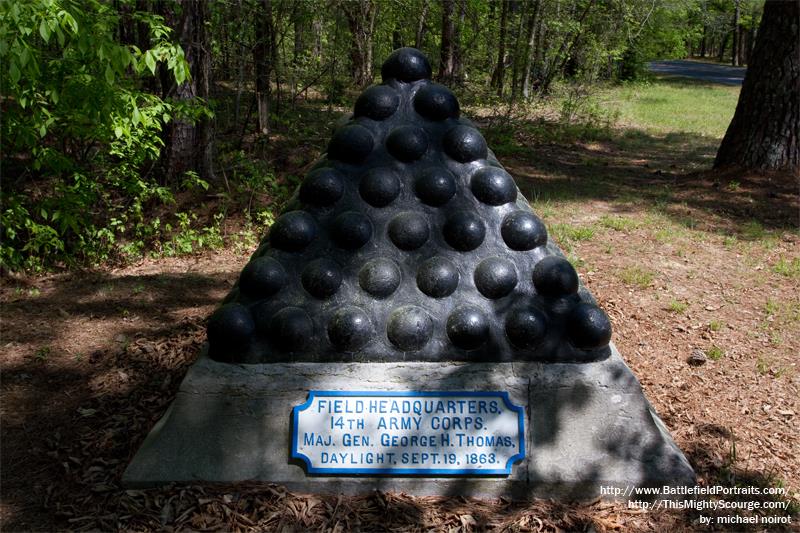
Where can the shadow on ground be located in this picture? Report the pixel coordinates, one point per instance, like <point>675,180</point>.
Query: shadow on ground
<point>630,168</point>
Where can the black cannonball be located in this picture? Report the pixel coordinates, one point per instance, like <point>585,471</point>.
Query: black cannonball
<point>467,327</point>
<point>293,231</point>
<point>230,328</point>
<point>322,187</point>
<point>379,187</point>
<point>464,230</point>
<point>409,328</point>
<point>377,102</point>
<point>351,230</point>
<point>262,277</point>
<point>554,276</point>
<point>435,186</point>
<point>493,186</point>
<point>588,327</point>
<point>437,277</point>
<point>526,327</point>
<point>465,144</point>
<point>407,143</point>
<point>495,277</point>
<point>380,277</point>
<point>349,329</point>
<point>350,144</point>
<point>408,231</point>
<point>321,278</point>
<point>291,329</point>
<point>406,64</point>
<point>522,230</point>
<point>436,102</point>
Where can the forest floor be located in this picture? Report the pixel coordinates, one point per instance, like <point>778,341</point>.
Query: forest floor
<point>698,271</point>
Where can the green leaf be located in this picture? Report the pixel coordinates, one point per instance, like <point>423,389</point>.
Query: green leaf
<point>44,31</point>
<point>14,72</point>
<point>109,75</point>
<point>117,131</point>
<point>42,131</point>
<point>137,117</point>
<point>150,61</point>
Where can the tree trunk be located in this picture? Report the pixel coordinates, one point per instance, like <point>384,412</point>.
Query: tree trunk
<point>361,17</point>
<point>736,36</point>
<point>530,31</point>
<point>703,41</point>
<point>262,57</point>
<point>189,145</point>
<point>723,46</point>
<point>517,59</point>
<point>765,130</point>
<point>421,25</point>
<point>499,74</point>
<point>447,65</point>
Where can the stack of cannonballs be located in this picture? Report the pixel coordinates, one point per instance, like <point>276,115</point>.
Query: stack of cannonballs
<point>408,241</point>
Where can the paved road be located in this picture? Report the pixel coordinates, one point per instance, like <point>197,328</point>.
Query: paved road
<point>710,72</point>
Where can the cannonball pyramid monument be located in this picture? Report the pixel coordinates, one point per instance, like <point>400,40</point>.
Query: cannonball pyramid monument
<point>408,260</point>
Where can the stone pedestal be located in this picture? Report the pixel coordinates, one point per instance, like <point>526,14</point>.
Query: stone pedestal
<point>586,426</point>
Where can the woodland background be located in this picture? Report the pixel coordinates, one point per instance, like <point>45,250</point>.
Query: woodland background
<point>118,116</point>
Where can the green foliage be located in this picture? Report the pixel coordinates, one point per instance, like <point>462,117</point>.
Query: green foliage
<point>77,128</point>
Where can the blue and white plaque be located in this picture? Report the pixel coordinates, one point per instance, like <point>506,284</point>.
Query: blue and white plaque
<point>408,433</point>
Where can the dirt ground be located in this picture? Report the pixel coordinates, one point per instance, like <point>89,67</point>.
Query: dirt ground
<point>698,272</point>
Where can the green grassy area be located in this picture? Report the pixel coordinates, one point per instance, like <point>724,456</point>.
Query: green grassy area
<point>669,105</point>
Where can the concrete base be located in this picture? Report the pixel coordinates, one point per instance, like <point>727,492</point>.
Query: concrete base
<point>588,425</point>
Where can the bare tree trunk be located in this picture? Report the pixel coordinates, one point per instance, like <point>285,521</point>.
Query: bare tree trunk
<point>498,76</point>
<point>458,48</point>
<point>361,17</point>
<point>535,7</point>
<point>765,130</point>
<point>262,57</point>
<point>189,145</point>
<point>703,41</point>
<point>516,64</point>
<point>447,54</point>
<point>240,65</point>
<point>723,46</point>
<point>421,25</point>
<point>736,36</point>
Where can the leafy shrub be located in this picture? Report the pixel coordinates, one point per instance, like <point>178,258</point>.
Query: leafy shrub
<point>77,128</point>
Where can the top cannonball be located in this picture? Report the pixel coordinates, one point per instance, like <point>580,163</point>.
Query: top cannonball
<point>436,102</point>
<point>554,276</point>
<point>378,102</point>
<point>293,231</point>
<point>406,64</point>
<point>351,144</point>
<point>465,144</point>
<point>493,186</point>
<point>322,187</point>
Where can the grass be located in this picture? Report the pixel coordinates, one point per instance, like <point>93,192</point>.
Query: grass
<point>656,106</point>
<point>715,325</point>
<point>571,233</point>
<point>618,223</point>
<point>637,276</point>
<point>677,306</point>
<point>715,353</point>
<point>788,268</point>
